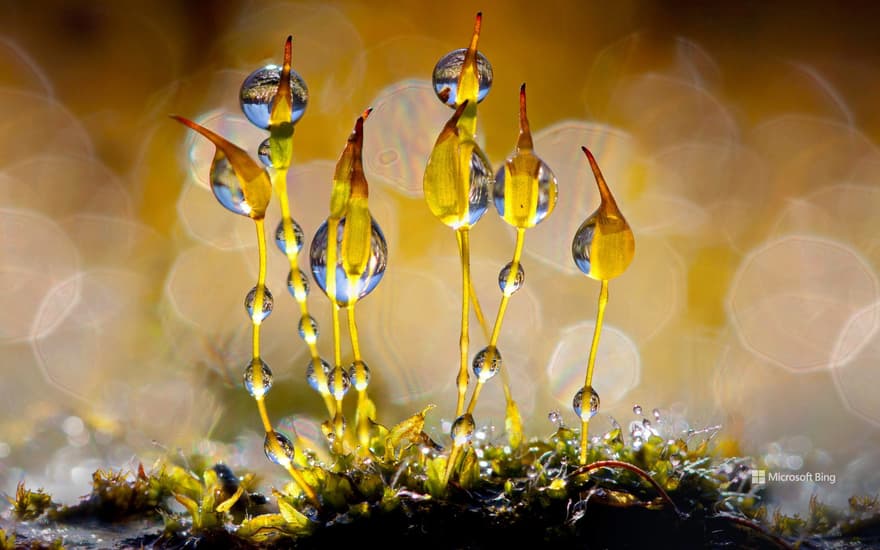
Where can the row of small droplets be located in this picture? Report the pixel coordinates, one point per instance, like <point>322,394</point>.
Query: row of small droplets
<point>243,187</point>
<point>275,98</point>
<point>279,113</point>
<point>261,95</point>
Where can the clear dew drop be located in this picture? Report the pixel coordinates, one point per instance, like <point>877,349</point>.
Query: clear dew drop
<point>637,409</point>
<point>281,241</point>
<point>227,187</point>
<point>516,283</point>
<point>278,448</point>
<point>580,245</point>
<point>258,378</point>
<point>555,417</point>
<point>308,329</point>
<point>264,153</point>
<point>268,304</point>
<point>359,374</point>
<point>487,363</point>
<point>448,70</point>
<point>259,88</point>
<point>546,200</point>
<point>312,378</point>
<point>463,429</point>
<point>338,383</point>
<point>371,276</point>
<point>298,294</point>
<point>656,413</point>
<point>578,404</point>
<point>481,180</point>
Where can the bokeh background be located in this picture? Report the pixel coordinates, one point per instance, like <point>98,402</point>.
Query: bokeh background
<point>739,138</point>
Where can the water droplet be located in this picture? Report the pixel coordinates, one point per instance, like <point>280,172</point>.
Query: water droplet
<point>578,404</point>
<point>259,88</point>
<point>312,378</point>
<point>637,409</point>
<point>359,374</point>
<point>227,187</point>
<point>268,304</point>
<point>257,378</point>
<point>448,70</point>
<point>646,423</point>
<point>532,472</point>
<point>338,383</point>
<point>582,243</point>
<point>371,276</point>
<point>487,363</point>
<point>278,448</point>
<point>463,429</point>
<point>298,236</point>
<point>264,152</point>
<point>291,287</point>
<point>656,413</point>
<point>308,329</point>
<point>517,281</point>
<point>555,418</point>
<point>525,213</point>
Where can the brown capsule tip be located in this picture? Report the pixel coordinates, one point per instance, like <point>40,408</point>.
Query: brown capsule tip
<point>604,192</point>
<point>359,129</point>
<point>444,94</point>
<point>593,164</point>
<point>367,112</point>
<point>288,52</point>
<point>478,24</point>
<point>185,121</point>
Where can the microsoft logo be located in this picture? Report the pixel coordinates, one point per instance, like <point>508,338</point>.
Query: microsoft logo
<point>759,477</point>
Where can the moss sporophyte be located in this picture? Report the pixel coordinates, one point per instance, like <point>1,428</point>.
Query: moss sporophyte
<point>467,491</point>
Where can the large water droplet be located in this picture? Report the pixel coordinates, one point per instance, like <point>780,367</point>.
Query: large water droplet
<point>258,378</point>
<point>308,329</point>
<point>268,304</point>
<point>281,241</point>
<point>448,70</point>
<point>299,294</point>
<point>463,429</point>
<point>371,276</point>
<point>312,378</point>
<point>580,245</point>
<point>227,187</point>
<point>516,283</point>
<point>259,88</point>
<point>359,374</point>
<point>578,403</point>
<point>338,383</point>
<point>278,448</point>
<point>487,363</point>
<point>527,215</point>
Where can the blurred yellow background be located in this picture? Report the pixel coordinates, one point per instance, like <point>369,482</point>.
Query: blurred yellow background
<point>739,139</point>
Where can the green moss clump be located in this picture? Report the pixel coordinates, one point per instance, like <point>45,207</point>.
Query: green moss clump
<point>536,495</point>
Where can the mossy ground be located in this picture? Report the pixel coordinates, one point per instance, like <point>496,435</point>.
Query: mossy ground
<point>533,496</point>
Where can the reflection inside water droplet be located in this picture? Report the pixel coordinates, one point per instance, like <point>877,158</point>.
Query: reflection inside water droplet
<point>259,88</point>
<point>448,70</point>
<point>371,276</point>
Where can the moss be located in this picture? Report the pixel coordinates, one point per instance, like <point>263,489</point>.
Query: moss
<point>536,495</point>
